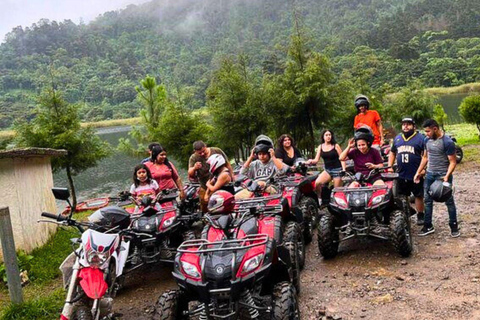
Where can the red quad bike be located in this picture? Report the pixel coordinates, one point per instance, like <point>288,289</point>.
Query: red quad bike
<point>366,210</point>
<point>289,192</point>
<point>161,228</point>
<point>242,268</point>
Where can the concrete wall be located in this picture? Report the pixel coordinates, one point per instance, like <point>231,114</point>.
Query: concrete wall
<point>25,187</point>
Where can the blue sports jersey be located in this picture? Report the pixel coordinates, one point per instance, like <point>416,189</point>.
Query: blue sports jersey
<point>409,154</point>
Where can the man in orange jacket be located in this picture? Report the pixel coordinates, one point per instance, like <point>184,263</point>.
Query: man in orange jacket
<point>370,118</point>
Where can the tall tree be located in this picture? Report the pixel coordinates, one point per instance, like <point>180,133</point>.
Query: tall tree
<point>57,125</point>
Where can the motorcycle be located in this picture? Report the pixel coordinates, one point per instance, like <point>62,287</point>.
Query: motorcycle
<point>363,209</point>
<point>242,268</point>
<point>90,271</point>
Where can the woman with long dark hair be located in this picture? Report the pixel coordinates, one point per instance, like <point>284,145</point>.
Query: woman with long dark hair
<point>163,171</point>
<point>286,150</point>
<point>329,150</point>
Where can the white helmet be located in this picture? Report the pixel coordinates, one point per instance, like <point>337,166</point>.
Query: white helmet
<point>215,161</point>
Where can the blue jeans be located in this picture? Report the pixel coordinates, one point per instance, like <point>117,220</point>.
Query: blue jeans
<point>452,210</point>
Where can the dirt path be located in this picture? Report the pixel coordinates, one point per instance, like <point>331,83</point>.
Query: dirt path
<point>368,280</point>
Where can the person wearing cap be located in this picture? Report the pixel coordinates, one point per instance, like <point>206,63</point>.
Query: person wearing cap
<point>369,118</point>
<point>441,159</point>
<point>407,149</point>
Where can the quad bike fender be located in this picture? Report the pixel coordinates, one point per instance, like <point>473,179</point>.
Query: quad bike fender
<point>93,282</point>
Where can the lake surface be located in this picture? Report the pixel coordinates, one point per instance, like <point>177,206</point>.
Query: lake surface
<point>450,103</point>
<point>111,175</point>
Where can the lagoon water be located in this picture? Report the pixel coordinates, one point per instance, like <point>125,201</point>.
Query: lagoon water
<point>111,175</point>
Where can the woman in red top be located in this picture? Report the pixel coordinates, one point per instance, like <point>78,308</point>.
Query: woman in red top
<point>163,171</point>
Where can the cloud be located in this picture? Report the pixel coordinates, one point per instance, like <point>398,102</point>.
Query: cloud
<point>26,12</point>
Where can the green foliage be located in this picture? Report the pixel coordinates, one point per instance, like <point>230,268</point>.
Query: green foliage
<point>464,133</point>
<point>166,120</point>
<point>439,115</point>
<point>235,103</point>
<point>23,260</point>
<point>377,43</point>
<point>43,307</point>
<point>57,125</point>
<point>470,110</point>
<point>410,101</point>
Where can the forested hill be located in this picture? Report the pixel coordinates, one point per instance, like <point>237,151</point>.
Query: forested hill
<point>182,42</point>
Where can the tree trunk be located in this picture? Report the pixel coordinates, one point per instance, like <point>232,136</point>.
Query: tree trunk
<point>72,188</point>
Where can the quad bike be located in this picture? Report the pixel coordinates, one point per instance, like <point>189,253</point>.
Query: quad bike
<point>242,268</point>
<point>366,210</point>
<point>289,192</point>
<point>163,227</point>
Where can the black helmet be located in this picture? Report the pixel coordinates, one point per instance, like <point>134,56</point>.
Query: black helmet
<point>440,191</point>
<point>263,139</point>
<point>364,133</point>
<point>262,148</point>
<point>408,119</point>
<point>361,100</point>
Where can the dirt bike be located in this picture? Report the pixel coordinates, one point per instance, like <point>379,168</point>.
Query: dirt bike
<point>91,270</point>
<point>242,268</point>
<point>366,210</point>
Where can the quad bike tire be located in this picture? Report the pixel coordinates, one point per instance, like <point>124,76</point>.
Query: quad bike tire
<point>328,239</point>
<point>83,313</point>
<point>168,306</point>
<point>310,211</point>
<point>284,302</point>
<point>299,239</point>
<point>401,234</point>
<point>458,154</point>
<point>292,233</point>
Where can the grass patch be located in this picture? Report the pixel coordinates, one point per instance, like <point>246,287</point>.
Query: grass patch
<point>45,306</point>
<point>471,154</point>
<point>464,88</point>
<point>112,123</point>
<point>465,133</point>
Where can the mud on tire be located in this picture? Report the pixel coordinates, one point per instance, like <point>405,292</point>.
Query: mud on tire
<point>292,233</point>
<point>83,313</point>
<point>401,234</point>
<point>310,211</point>
<point>169,306</point>
<point>328,239</point>
<point>284,302</point>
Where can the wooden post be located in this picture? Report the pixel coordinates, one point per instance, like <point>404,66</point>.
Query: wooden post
<point>10,257</point>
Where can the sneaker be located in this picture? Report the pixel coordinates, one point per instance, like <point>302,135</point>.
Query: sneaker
<point>426,231</point>
<point>420,218</point>
<point>454,232</point>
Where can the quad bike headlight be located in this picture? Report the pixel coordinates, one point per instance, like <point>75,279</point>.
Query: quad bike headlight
<point>340,201</point>
<point>167,223</point>
<point>252,263</point>
<point>378,199</point>
<point>190,269</point>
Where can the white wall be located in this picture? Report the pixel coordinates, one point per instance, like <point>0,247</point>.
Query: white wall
<point>25,187</point>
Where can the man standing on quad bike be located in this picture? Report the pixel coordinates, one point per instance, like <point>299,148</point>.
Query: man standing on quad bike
<point>408,148</point>
<point>371,118</point>
<point>440,156</point>
<point>198,168</point>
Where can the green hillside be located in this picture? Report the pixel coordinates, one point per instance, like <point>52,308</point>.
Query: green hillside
<point>378,43</point>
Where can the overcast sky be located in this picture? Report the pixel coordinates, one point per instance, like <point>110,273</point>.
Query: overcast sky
<point>26,12</point>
